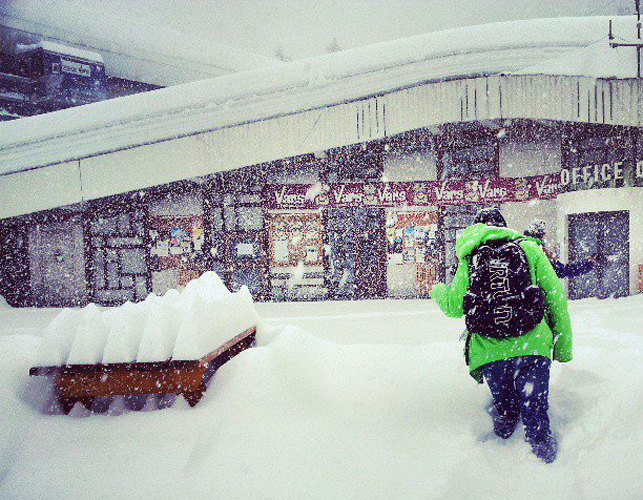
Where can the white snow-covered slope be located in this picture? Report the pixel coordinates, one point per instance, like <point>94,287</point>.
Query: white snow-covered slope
<point>288,88</point>
<point>350,400</point>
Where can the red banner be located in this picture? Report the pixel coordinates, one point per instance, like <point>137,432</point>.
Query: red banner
<point>400,194</point>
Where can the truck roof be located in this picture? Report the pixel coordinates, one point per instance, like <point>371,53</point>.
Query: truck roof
<point>58,48</point>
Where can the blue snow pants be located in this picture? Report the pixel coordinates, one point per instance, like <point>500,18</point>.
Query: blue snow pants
<point>520,387</point>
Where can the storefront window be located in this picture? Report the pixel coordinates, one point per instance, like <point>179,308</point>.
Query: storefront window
<point>176,250</point>
<point>413,252</point>
<point>296,256</point>
<point>470,160</point>
<point>250,218</point>
<point>295,239</point>
<point>133,261</point>
<point>230,218</point>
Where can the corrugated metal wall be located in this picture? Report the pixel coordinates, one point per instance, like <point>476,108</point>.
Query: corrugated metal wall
<point>572,99</point>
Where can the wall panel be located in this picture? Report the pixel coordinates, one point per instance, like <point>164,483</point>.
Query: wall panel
<point>40,189</point>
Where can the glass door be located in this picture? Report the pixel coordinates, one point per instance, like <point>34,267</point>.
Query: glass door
<point>604,235</point>
<point>357,253</point>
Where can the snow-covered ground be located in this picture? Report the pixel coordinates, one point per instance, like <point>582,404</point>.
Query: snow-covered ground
<point>350,400</point>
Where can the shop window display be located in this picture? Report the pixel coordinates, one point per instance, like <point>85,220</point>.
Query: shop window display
<point>295,246</point>
<point>412,238</point>
<point>176,250</point>
<point>217,241</point>
<point>295,238</point>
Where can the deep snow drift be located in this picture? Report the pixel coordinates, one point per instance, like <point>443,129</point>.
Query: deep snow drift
<point>342,400</point>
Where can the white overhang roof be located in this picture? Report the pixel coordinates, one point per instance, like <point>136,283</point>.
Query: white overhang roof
<point>597,60</point>
<point>289,88</point>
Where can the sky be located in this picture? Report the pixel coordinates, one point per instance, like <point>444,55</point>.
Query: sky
<point>305,28</point>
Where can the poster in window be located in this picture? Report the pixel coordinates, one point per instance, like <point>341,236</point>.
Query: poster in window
<point>412,240</point>
<point>176,242</point>
<point>245,250</point>
<point>312,255</point>
<point>295,238</point>
<point>280,252</point>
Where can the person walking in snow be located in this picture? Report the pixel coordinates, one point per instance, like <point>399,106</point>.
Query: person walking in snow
<point>516,316</point>
<point>537,231</point>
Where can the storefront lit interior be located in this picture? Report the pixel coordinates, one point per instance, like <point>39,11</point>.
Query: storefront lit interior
<point>372,220</point>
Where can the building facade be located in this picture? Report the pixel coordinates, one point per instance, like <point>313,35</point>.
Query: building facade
<point>341,177</point>
<point>370,220</point>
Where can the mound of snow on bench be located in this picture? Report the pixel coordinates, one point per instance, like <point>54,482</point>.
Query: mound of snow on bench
<point>177,325</point>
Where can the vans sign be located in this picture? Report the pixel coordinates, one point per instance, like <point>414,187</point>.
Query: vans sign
<point>401,194</point>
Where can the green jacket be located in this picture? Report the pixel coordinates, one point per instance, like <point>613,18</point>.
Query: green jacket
<point>553,332</point>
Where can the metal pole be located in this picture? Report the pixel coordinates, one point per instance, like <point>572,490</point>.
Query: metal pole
<point>638,36</point>
<point>638,44</point>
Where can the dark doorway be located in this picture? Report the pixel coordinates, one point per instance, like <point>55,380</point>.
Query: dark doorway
<point>14,265</point>
<point>454,219</point>
<point>235,222</point>
<point>357,258</point>
<point>605,235</point>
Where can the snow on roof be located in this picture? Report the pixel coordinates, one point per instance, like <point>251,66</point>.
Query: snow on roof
<point>131,50</point>
<point>61,49</point>
<point>597,60</point>
<point>299,85</point>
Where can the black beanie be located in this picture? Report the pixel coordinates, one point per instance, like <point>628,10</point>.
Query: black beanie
<point>490,217</point>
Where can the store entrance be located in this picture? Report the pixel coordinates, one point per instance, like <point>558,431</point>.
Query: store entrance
<point>454,220</point>
<point>57,262</point>
<point>605,235</point>
<point>357,253</point>
<point>414,252</point>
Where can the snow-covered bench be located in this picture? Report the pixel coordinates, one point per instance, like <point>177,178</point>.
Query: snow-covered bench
<point>169,344</point>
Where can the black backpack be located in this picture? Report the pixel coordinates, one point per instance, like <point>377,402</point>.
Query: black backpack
<point>501,302</point>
